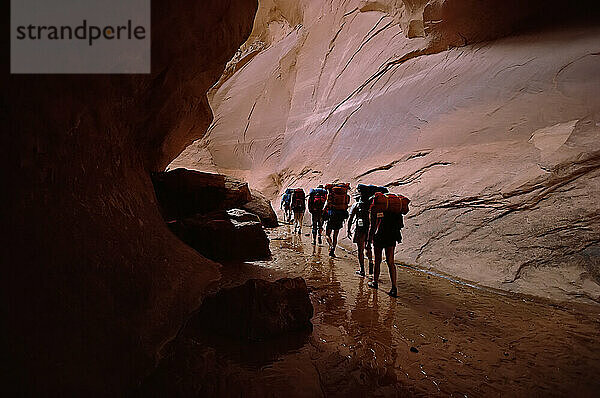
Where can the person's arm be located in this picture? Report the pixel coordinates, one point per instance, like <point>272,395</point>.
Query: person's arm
<point>351,219</point>
<point>375,221</point>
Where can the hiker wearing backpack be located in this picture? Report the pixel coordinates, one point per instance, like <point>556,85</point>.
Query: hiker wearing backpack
<point>387,211</point>
<point>298,206</point>
<point>359,215</point>
<point>316,205</point>
<point>337,212</point>
<point>286,200</point>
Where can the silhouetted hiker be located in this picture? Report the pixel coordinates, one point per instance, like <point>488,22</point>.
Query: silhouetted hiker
<point>298,206</point>
<point>360,213</point>
<point>337,212</point>
<point>316,205</point>
<point>387,211</point>
<point>286,200</point>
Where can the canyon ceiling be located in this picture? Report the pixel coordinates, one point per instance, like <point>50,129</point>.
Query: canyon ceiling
<point>485,113</point>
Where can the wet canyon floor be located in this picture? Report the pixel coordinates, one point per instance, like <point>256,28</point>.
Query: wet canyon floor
<point>438,338</point>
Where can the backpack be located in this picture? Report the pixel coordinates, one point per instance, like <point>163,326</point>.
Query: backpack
<point>316,200</point>
<point>338,198</point>
<point>389,202</point>
<point>298,199</point>
<point>287,196</point>
<point>367,191</point>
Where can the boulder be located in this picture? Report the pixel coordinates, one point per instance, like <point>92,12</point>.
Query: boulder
<point>183,193</point>
<point>261,206</point>
<point>231,235</point>
<point>258,309</point>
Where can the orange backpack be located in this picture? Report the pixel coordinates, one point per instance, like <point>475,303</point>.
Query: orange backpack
<point>389,202</point>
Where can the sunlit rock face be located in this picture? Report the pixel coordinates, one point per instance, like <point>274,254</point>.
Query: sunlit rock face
<point>484,113</point>
<point>93,282</point>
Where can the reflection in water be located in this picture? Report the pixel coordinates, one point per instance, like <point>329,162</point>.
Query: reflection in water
<point>255,354</point>
<point>436,338</point>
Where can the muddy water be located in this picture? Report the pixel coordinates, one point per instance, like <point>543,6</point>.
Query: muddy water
<point>439,338</point>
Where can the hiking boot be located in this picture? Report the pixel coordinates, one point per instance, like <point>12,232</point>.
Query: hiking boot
<point>373,284</point>
<point>332,253</point>
<point>360,272</point>
<point>393,292</point>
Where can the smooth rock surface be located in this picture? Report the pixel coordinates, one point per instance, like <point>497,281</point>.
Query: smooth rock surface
<point>484,113</point>
<point>232,235</point>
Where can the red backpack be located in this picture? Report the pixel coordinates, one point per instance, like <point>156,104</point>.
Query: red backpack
<point>316,200</point>
<point>338,197</point>
<point>298,199</point>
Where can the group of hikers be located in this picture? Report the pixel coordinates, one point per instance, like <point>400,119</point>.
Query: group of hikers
<point>376,215</point>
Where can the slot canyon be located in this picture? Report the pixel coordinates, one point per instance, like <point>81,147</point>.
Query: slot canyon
<point>146,253</point>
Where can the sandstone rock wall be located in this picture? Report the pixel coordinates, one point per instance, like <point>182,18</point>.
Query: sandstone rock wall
<point>484,113</point>
<point>93,282</point>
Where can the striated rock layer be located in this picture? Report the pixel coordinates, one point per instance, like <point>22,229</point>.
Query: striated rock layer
<point>93,282</point>
<point>484,113</point>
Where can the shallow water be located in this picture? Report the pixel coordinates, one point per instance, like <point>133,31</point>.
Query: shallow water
<point>439,337</point>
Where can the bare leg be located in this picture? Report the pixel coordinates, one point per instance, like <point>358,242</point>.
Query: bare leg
<point>332,241</point>
<point>389,259</point>
<point>361,255</point>
<point>320,227</point>
<point>378,255</point>
<point>335,237</point>
<point>369,250</point>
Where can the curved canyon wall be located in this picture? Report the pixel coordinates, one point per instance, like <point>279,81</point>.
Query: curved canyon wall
<point>94,283</point>
<point>484,113</point>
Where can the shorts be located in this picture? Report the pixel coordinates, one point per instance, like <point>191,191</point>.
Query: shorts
<point>388,233</point>
<point>335,218</point>
<point>360,233</point>
<point>388,239</point>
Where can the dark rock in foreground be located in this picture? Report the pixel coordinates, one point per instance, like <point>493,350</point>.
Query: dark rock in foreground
<point>184,193</point>
<point>232,235</point>
<point>258,309</point>
<point>261,206</point>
